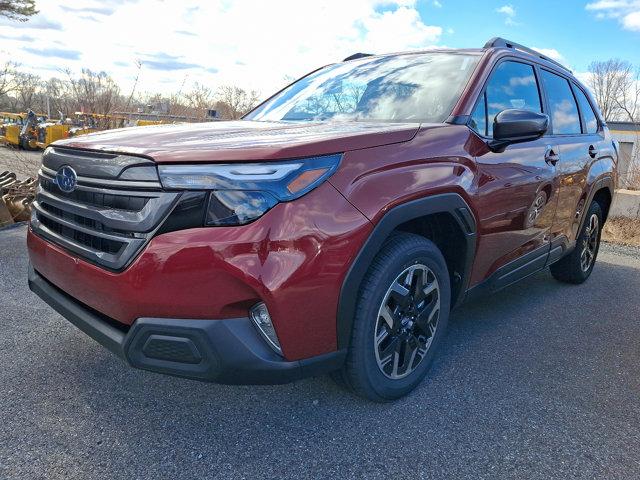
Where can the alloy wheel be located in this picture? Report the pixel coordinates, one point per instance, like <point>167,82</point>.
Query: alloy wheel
<point>590,243</point>
<point>407,321</point>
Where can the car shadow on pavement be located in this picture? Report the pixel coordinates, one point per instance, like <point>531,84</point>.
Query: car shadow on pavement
<point>532,309</point>
<point>532,363</point>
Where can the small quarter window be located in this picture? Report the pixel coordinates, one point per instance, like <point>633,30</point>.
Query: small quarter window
<point>588,116</point>
<point>479,117</point>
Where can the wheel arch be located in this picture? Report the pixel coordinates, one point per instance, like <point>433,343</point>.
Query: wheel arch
<point>414,217</point>
<point>602,191</point>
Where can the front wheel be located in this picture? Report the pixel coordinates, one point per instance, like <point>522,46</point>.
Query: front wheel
<point>402,313</point>
<point>578,265</point>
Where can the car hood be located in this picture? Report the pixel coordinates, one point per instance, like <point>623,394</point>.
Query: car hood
<point>243,140</point>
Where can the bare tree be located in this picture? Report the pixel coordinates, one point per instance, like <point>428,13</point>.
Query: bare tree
<point>97,93</point>
<point>135,84</point>
<point>628,97</point>
<point>19,10</point>
<point>611,82</point>
<point>27,86</point>
<point>7,77</point>
<point>60,96</point>
<point>199,100</point>
<point>94,92</point>
<point>233,102</point>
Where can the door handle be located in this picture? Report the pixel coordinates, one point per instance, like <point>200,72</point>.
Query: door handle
<point>593,151</point>
<point>550,156</point>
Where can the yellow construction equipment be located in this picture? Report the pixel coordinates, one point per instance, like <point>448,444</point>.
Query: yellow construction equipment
<point>10,126</point>
<point>28,136</point>
<point>144,123</point>
<point>50,132</point>
<point>83,123</point>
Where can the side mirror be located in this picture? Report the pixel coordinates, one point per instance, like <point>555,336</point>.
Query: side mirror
<point>517,126</point>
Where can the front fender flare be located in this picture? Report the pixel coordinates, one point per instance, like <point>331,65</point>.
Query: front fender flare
<point>451,203</point>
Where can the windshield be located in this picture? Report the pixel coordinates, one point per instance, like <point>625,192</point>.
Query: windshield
<point>415,87</point>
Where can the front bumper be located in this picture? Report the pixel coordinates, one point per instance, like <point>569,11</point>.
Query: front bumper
<point>294,259</point>
<point>227,351</point>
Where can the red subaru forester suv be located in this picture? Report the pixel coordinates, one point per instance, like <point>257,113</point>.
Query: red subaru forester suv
<point>335,226</point>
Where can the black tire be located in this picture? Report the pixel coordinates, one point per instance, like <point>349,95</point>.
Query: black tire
<point>24,143</point>
<point>363,370</point>
<point>571,269</point>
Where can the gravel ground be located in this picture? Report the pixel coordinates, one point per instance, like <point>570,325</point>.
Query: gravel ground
<point>23,162</point>
<point>539,381</point>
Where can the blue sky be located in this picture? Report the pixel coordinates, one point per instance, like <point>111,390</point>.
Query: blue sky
<point>578,34</point>
<point>261,44</point>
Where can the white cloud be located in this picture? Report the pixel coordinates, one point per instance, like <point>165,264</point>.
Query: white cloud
<point>509,15</point>
<point>584,77</point>
<point>631,21</point>
<point>437,4</point>
<point>251,43</point>
<point>508,10</point>
<point>552,53</point>
<point>627,12</point>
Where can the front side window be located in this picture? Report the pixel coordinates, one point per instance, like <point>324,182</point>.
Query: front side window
<point>418,87</point>
<point>512,85</point>
<point>588,116</point>
<point>562,106</point>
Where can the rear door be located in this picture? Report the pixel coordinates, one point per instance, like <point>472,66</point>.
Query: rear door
<point>576,131</point>
<point>516,192</point>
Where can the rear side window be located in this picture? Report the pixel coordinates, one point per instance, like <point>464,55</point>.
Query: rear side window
<point>512,85</point>
<point>588,115</point>
<point>562,106</point>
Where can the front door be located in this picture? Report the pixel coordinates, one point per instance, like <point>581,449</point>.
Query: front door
<point>516,191</point>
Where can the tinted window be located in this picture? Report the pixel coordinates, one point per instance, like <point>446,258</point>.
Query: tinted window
<point>589,117</point>
<point>512,85</point>
<point>479,116</point>
<point>562,106</point>
<point>399,88</point>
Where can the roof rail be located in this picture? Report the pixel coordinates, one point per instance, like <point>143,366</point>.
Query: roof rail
<point>498,42</point>
<point>355,56</point>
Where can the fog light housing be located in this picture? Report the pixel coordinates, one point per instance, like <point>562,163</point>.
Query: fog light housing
<point>262,320</point>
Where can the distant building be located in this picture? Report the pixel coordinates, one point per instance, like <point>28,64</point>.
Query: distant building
<point>628,135</point>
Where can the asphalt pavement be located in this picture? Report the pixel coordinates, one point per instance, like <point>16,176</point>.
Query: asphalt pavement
<point>540,381</point>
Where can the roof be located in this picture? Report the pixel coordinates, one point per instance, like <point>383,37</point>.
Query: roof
<point>495,43</point>
<point>498,42</point>
<point>358,56</point>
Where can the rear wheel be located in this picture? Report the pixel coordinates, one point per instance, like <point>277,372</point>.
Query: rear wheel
<point>401,317</point>
<point>578,265</point>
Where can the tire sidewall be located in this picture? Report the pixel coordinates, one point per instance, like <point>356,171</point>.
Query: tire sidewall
<point>593,209</point>
<point>429,256</point>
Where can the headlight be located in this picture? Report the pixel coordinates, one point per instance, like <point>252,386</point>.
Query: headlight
<point>242,192</point>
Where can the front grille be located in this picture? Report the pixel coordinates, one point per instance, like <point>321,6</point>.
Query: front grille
<point>90,241</point>
<point>96,199</point>
<point>82,221</point>
<point>110,215</point>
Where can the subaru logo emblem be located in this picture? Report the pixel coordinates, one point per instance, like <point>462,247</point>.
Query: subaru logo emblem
<point>66,179</point>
